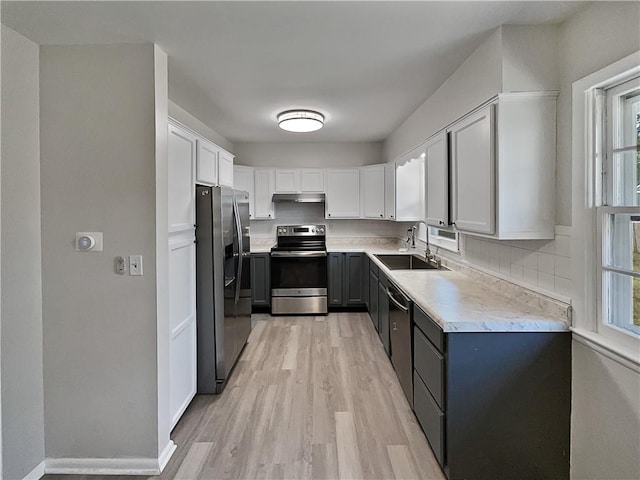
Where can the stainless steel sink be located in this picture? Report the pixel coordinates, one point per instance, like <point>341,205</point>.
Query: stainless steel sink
<point>405,262</point>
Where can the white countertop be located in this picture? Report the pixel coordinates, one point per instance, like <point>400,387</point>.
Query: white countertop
<point>458,303</point>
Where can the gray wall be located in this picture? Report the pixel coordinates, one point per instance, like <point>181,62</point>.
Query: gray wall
<point>595,37</point>
<point>184,117</point>
<point>605,426</point>
<point>605,440</point>
<point>22,388</point>
<point>98,163</point>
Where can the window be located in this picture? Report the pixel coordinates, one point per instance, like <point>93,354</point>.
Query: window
<point>444,239</point>
<point>617,156</point>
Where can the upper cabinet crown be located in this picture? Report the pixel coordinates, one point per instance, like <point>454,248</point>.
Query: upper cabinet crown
<point>500,164</point>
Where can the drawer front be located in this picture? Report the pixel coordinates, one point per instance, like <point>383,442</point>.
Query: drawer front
<point>429,364</point>
<point>430,328</point>
<point>430,417</point>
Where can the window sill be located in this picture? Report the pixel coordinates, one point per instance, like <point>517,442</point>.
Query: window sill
<point>606,347</point>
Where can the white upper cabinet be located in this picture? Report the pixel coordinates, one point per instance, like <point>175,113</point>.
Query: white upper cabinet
<point>181,188</point>
<point>225,169</point>
<point>503,168</point>
<point>437,173</point>
<point>287,180</point>
<point>312,180</point>
<point>390,191</point>
<point>409,186</point>
<point>243,180</point>
<point>372,191</point>
<point>343,193</point>
<point>207,163</point>
<point>473,159</point>
<point>264,186</point>
<point>295,180</point>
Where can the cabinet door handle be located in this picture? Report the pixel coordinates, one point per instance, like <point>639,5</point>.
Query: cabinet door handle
<point>395,327</point>
<point>441,222</point>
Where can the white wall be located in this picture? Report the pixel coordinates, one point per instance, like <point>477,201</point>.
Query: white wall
<point>605,426</point>
<point>163,324</point>
<point>98,161</point>
<point>22,377</point>
<point>318,155</point>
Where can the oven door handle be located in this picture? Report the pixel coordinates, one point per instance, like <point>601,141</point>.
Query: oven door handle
<point>298,254</point>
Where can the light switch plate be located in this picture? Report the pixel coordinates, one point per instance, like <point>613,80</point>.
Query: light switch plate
<point>135,265</point>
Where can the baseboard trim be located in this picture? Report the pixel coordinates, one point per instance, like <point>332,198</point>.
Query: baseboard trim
<point>37,473</point>
<point>110,466</point>
<point>166,454</point>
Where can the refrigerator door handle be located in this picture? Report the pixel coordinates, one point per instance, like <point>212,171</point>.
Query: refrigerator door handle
<point>240,252</point>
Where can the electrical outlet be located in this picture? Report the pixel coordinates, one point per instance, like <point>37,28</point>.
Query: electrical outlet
<point>135,265</point>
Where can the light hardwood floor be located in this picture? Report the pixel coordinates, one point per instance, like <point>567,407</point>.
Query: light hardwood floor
<point>311,398</point>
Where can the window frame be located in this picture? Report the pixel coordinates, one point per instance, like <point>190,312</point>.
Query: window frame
<point>608,129</point>
<point>589,209</point>
<point>446,243</point>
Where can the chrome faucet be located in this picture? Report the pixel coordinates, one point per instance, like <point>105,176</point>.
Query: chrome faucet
<point>427,252</point>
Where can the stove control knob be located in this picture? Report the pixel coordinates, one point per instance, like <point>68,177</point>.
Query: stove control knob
<point>321,230</point>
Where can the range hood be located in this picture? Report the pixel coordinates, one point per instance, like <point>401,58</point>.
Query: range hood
<point>299,197</point>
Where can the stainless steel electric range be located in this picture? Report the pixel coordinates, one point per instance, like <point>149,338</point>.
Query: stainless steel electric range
<point>299,270</point>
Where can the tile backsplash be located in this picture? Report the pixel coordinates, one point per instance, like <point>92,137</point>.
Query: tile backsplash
<point>313,213</point>
<point>545,264</point>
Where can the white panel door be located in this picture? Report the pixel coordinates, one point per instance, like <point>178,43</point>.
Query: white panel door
<point>207,163</point>
<point>287,180</point>
<point>312,180</point>
<point>390,191</point>
<point>372,188</point>
<point>243,180</point>
<point>437,173</point>
<point>181,188</point>
<point>473,162</point>
<point>264,185</point>
<point>225,169</point>
<point>182,318</point>
<point>343,193</point>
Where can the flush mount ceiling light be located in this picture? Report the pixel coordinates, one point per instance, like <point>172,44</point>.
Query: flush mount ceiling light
<point>300,121</point>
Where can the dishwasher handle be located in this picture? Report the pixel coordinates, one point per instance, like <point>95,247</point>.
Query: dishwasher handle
<point>396,302</point>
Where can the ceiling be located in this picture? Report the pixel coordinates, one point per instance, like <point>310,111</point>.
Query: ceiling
<point>365,65</point>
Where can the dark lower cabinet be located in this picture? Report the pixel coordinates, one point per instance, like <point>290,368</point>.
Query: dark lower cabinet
<point>260,280</point>
<point>383,312</point>
<point>347,279</point>
<point>373,296</point>
<point>335,275</point>
<point>494,405</point>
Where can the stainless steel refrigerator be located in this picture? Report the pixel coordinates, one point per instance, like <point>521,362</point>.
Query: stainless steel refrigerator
<point>223,283</point>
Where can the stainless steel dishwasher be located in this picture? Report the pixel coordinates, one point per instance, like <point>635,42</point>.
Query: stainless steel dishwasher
<point>400,338</point>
